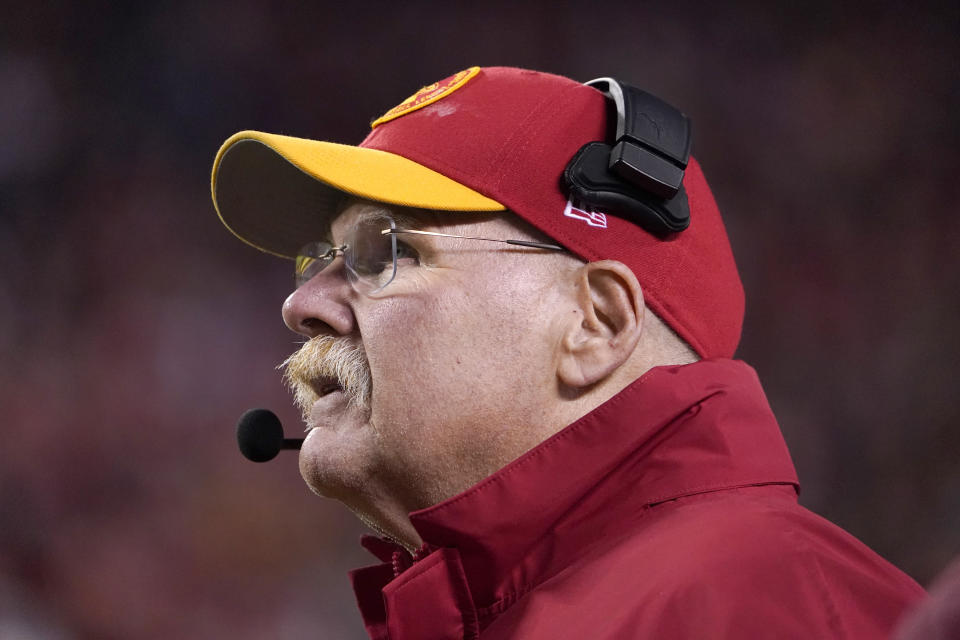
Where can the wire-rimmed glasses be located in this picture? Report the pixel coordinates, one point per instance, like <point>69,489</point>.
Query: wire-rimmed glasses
<point>371,253</point>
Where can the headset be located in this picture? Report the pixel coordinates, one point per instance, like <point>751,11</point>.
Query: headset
<point>640,176</point>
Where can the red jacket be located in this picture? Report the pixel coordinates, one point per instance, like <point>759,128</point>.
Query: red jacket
<point>668,512</point>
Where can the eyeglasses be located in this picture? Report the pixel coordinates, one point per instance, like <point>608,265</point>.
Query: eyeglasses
<point>371,253</point>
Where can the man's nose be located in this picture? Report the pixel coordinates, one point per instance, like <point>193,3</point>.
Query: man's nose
<point>320,305</point>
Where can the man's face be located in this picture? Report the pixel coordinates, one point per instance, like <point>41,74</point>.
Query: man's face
<point>461,349</point>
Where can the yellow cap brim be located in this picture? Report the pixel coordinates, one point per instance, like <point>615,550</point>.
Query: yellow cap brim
<point>277,193</point>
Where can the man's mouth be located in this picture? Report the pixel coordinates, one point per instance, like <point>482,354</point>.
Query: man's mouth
<point>328,369</point>
<point>326,387</point>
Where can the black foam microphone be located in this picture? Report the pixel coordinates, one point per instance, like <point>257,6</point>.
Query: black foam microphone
<point>260,435</point>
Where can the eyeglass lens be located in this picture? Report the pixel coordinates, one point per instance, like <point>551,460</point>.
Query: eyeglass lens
<point>369,256</point>
<point>311,260</point>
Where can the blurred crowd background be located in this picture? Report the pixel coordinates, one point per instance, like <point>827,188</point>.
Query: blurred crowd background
<point>134,329</point>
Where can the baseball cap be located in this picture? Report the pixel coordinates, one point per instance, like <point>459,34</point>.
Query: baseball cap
<point>487,139</point>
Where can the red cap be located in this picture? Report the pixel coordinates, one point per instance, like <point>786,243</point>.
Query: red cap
<point>506,135</point>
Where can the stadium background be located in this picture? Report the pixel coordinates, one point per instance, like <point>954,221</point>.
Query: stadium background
<point>134,330</point>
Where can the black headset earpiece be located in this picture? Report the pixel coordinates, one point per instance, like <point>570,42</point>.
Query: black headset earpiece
<point>640,176</point>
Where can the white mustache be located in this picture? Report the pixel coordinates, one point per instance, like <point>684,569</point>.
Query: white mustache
<point>325,359</point>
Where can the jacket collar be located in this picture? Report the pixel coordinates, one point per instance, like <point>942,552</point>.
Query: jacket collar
<point>675,431</point>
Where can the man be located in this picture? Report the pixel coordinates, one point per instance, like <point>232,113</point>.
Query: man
<point>531,399</point>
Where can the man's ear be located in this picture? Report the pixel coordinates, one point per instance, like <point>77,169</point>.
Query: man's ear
<point>607,325</point>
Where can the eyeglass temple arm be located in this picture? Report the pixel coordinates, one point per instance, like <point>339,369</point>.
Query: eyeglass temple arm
<point>522,243</point>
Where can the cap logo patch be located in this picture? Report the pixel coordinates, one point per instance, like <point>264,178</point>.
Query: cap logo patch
<point>428,95</point>
<point>592,218</point>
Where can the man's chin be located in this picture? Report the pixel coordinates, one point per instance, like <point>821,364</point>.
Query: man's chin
<point>338,453</point>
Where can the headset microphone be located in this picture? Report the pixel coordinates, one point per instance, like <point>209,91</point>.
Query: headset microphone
<point>260,435</point>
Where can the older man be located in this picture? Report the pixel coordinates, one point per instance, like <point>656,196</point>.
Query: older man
<point>518,373</point>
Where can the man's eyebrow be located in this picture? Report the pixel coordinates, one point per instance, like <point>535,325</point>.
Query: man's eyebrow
<point>405,220</point>
<point>399,217</point>
<point>402,217</point>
